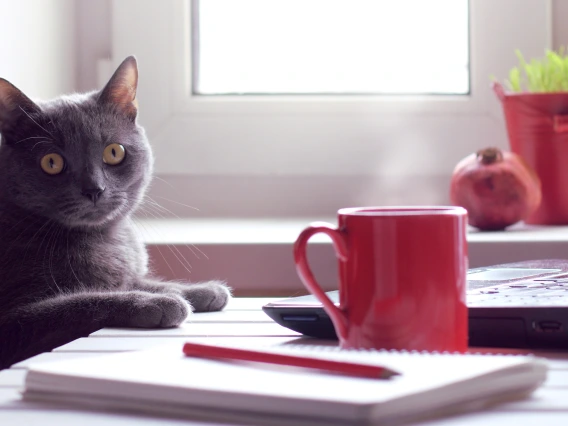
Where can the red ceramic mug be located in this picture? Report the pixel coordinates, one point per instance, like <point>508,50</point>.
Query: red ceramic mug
<point>402,277</point>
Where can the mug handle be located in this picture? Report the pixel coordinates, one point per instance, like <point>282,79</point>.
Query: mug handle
<point>337,316</point>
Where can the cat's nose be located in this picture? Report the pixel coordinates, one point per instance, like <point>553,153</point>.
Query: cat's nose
<point>93,193</point>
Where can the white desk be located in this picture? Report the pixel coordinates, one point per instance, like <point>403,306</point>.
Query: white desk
<point>243,321</point>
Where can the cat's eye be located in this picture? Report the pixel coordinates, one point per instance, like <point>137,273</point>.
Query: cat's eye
<point>52,164</point>
<point>114,154</point>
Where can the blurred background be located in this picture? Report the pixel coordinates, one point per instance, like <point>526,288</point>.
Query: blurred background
<point>273,108</point>
<point>266,114</point>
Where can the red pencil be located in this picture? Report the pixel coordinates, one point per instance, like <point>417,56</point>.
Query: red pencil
<point>347,368</point>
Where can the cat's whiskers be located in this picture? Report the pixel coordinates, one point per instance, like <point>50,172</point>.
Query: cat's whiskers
<point>164,209</point>
<point>66,204</point>
<point>52,251</point>
<point>37,143</point>
<point>52,225</point>
<point>69,261</point>
<point>32,239</point>
<point>15,240</point>
<point>20,221</point>
<point>175,202</point>
<point>48,237</point>
<point>135,226</point>
<point>120,206</point>
<point>46,233</point>
<point>175,246</point>
<point>181,258</point>
<point>156,214</point>
<point>36,123</point>
<point>165,181</point>
<point>31,137</point>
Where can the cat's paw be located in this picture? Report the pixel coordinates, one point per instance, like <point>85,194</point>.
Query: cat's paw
<point>207,296</point>
<point>147,310</point>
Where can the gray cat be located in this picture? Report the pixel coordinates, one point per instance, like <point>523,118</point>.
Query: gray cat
<point>72,172</point>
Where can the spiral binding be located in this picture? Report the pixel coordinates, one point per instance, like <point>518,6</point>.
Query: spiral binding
<point>316,349</point>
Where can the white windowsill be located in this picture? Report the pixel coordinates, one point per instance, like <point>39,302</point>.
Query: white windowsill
<point>224,231</point>
<point>255,256</point>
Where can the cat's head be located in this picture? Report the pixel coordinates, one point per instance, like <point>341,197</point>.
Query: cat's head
<point>81,160</point>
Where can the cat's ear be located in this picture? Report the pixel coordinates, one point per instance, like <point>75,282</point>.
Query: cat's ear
<point>120,91</point>
<point>13,103</point>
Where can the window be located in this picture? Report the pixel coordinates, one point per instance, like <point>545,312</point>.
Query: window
<point>330,47</point>
<point>308,154</point>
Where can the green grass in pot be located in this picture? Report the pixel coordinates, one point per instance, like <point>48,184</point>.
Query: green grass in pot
<point>549,74</point>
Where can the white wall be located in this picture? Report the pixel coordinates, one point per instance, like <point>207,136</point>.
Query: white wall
<point>37,46</point>
<point>49,47</point>
<point>560,29</point>
<point>93,40</point>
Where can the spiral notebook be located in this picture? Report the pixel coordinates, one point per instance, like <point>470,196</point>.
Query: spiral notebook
<point>163,381</point>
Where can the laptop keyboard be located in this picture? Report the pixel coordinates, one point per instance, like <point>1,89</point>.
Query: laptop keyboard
<point>547,291</point>
<point>552,291</point>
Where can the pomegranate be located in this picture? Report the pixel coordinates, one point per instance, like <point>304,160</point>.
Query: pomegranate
<point>497,188</point>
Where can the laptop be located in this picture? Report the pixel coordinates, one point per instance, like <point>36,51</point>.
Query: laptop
<point>513,305</point>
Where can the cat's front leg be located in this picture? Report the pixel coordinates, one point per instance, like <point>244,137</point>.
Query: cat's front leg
<point>41,326</point>
<point>203,296</point>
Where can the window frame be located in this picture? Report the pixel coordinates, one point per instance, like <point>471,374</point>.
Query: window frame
<point>313,137</point>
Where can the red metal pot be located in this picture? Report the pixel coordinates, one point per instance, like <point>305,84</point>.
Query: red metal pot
<point>537,125</point>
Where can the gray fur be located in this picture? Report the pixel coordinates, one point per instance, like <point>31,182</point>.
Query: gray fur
<point>68,265</point>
